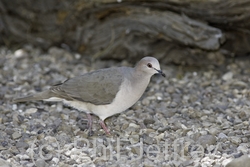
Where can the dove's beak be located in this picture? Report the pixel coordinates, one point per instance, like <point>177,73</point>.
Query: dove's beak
<point>160,72</point>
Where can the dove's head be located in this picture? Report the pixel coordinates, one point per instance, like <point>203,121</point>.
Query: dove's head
<point>150,66</point>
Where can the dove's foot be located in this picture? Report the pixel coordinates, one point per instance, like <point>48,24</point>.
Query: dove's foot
<point>104,127</point>
<point>90,123</point>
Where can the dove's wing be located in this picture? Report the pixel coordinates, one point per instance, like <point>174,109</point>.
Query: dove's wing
<point>99,87</point>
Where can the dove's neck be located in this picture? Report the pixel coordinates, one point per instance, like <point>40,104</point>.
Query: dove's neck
<point>138,74</point>
<point>139,80</point>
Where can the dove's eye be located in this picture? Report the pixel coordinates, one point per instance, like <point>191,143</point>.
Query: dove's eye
<point>149,65</point>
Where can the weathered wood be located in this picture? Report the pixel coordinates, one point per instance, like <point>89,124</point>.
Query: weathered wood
<point>173,30</point>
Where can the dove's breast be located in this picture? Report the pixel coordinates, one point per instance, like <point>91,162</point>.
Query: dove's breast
<point>127,96</point>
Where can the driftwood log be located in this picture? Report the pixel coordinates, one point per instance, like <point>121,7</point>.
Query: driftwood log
<point>176,31</point>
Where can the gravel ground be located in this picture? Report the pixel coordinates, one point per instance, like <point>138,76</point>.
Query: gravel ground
<point>193,117</point>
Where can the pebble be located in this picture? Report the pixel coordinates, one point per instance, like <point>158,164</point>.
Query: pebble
<point>20,53</point>
<point>227,76</point>
<point>242,114</point>
<point>136,150</point>
<point>22,145</point>
<point>214,131</point>
<point>55,160</point>
<point>4,163</point>
<point>239,83</point>
<point>134,139</point>
<point>3,148</point>
<point>16,135</point>
<point>30,111</point>
<point>24,157</point>
<point>133,125</point>
<point>222,135</point>
<point>243,161</point>
<point>148,121</point>
<point>207,140</point>
<point>41,163</point>
<point>148,140</point>
<point>235,139</point>
<point>243,148</point>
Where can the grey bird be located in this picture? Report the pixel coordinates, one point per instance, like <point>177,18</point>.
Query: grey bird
<point>104,92</point>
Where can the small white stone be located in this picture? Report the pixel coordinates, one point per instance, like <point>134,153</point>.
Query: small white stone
<point>23,157</point>
<point>74,157</point>
<point>68,153</point>
<point>20,53</point>
<point>133,125</point>
<point>56,160</point>
<point>31,111</point>
<point>77,56</point>
<point>203,132</point>
<point>14,107</point>
<point>228,76</point>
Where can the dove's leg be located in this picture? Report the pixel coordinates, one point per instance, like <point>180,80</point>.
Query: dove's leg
<point>104,127</point>
<point>90,123</point>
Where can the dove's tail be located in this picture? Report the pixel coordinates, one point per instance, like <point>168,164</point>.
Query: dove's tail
<point>38,96</point>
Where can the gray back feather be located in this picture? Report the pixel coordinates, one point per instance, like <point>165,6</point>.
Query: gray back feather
<point>98,87</point>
